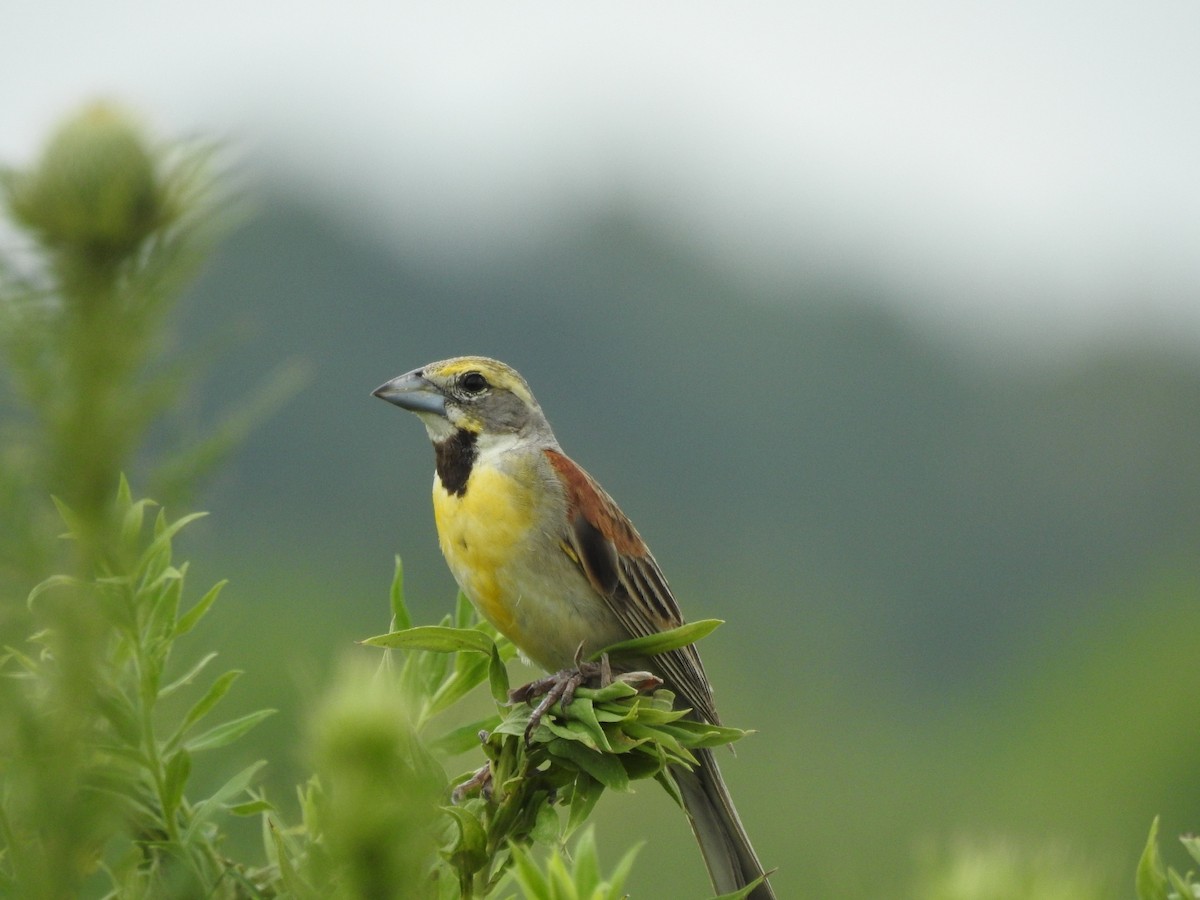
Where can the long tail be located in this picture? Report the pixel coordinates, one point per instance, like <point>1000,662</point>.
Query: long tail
<point>731,860</point>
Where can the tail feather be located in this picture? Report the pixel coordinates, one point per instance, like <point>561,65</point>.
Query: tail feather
<point>728,854</point>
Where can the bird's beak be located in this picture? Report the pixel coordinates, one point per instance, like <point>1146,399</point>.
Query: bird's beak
<point>413,392</point>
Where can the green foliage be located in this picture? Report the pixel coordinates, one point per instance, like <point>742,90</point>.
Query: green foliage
<point>109,715</point>
<point>115,228</point>
<point>1156,881</point>
<point>573,877</point>
<point>380,760</point>
<point>99,731</point>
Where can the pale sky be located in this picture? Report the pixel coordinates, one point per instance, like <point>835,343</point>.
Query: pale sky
<point>1032,165</point>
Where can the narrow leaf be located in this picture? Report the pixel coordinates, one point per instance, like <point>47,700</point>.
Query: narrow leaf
<point>400,617</point>
<point>187,677</point>
<point>605,769</point>
<point>662,641</point>
<point>225,793</point>
<point>616,884</point>
<point>471,846</point>
<point>205,704</point>
<point>438,638</point>
<point>584,796</point>
<point>1151,880</point>
<point>178,768</point>
<point>190,618</point>
<point>227,732</point>
<point>252,807</point>
<point>587,864</point>
<point>1192,844</point>
<point>742,892</point>
<point>498,677</point>
<point>528,875</point>
<point>462,739</point>
<point>53,583</point>
<point>161,545</point>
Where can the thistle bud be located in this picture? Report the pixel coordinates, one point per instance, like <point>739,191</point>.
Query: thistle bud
<point>96,187</point>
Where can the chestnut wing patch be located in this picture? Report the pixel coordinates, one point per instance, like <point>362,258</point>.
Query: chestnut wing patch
<point>621,569</point>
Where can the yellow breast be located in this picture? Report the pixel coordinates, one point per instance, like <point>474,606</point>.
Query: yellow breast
<point>482,533</point>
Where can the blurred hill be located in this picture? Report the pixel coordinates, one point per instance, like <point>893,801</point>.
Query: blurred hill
<point>909,543</point>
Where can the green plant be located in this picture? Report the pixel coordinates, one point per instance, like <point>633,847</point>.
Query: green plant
<point>96,748</point>
<point>381,758</point>
<point>102,731</point>
<point>1155,881</point>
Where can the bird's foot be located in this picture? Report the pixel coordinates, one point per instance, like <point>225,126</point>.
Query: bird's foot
<point>480,782</point>
<point>559,688</point>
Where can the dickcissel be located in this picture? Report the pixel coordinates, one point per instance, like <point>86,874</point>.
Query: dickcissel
<point>550,560</point>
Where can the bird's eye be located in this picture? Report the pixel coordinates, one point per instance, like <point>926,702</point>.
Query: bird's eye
<point>473,383</point>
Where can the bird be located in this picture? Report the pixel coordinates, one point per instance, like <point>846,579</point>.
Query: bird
<point>548,558</point>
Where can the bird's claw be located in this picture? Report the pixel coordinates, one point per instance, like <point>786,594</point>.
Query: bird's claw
<point>559,688</point>
<point>481,781</point>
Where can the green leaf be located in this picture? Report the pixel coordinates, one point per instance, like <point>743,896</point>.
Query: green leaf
<point>178,769</point>
<point>189,619</point>
<point>470,848</point>
<point>133,517</point>
<point>227,732</point>
<point>464,678</point>
<point>572,730</point>
<point>584,795</point>
<point>587,864</point>
<point>400,617</point>
<point>438,638</point>
<point>533,883</point>
<point>462,739</point>
<point>742,892</point>
<point>205,704</point>
<point>53,583</point>
<point>616,690</point>
<point>1182,886</point>
<point>561,884</point>
<point>498,678</point>
<point>704,734</point>
<point>662,641</point>
<point>252,807</point>
<point>1151,880</point>
<point>209,807</point>
<point>154,556</point>
<point>187,677</point>
<point>283,858</point>
<point>464,611</point>
<point>70,519</point>
<point>120,712</point>
<point>164,608</point>
<point>1192,844</point>
<point>584,712</point>
<point>605,769</point>
<point>545,827</point>
<point>616,884</point>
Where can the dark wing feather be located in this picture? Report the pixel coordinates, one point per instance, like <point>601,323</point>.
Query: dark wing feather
<point>620,567</point>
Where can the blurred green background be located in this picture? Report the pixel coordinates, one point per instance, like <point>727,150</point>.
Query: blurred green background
<point>961,596</point>
<point>936,461</point>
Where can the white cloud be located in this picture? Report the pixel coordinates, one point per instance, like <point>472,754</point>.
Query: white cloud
<point>1032,160</point>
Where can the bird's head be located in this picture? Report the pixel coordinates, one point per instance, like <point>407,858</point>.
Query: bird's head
<point>468,393</point>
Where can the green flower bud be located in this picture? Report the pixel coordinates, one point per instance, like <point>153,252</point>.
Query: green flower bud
<point>96,187</point>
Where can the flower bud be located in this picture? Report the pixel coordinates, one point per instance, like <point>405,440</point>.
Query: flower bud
<point>96,187</point>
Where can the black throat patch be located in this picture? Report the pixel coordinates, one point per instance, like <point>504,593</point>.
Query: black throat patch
<point>455,456</point>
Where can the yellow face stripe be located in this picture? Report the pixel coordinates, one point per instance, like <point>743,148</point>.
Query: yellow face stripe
<point>496,372</point>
